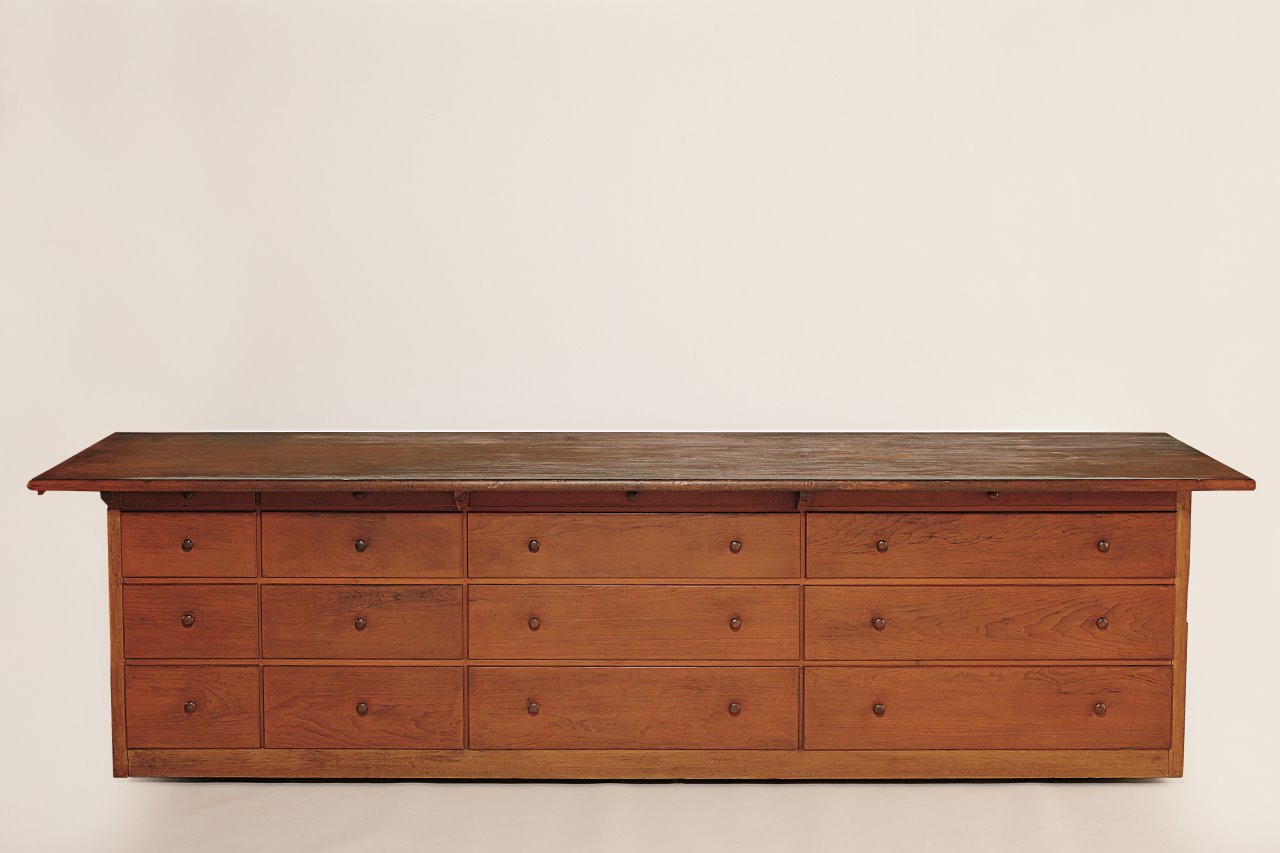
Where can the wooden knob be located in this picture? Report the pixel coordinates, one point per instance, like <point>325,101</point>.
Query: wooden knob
<point>361,545</point>
<point>189,707</point>
<point>358,495</point>
<point>534,545</point>
<point>533,708</point>
<point>878,623</point>
<point>1102,623</point>
<point>188,619</point>
<point>187,544</point>
<point>993,495</point>
<point>186,496</point>
<point>534,623</point>
<point>1100,709</point>
<point>734,709</point>
<point>360,623</point>
<point>631,496</point>
<point>882,546</point>
<point>735,547</point>
<point>362,708</point>
<point>877,709</point>
<point>1104,546</point>
<point>735,623</point>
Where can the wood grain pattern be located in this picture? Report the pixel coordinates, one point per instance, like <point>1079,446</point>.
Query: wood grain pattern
<point>267,462</point>
<point>186,500</point>
<point>975,707</point>
<point>401,544</point>
<point>408,707</point>
<point>401,621</point>
<point>226,713</point>
<point>1176,754</point>
<point>989,622</point>
<point>993,501</point>
<point>619,500</point>
<point>224,621</point>
<point>359,501</point>
<point>633,707</point>
<point>115,610</point>
<point>650,545</point>
<point>223,544</point>
<point>634,621</point>
<point>991,545</point>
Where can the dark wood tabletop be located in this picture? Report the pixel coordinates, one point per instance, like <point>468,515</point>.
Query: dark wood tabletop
<point>722,461</point>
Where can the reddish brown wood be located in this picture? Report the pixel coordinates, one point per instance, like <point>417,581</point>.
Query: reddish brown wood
<point>994,501</point>
<point>191,621</point>
<point>186,500</point>
<point>400,621</point>
<point>223,544</point>
<point>115,610</point>
<point>404,707</point>
<point>978,707</point>
<point>654,545</point>
<point>990,545</point>
<point>639,707</point>
<point>632,501</point>
<point>225,712</point>
<point>633,621</point>
<point>989,622</point>
<point>359,501</point>
<point>367,544</point>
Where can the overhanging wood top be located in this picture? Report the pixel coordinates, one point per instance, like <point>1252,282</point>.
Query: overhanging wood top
<point>680,461</point>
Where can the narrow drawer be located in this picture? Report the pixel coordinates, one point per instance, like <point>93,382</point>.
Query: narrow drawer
<point>988,622</point>
<point>190,621</point>
<point>186,500</point>
<point>384,707</point>
<point>359,501</point>
<point>983,707</point>
<point>400,621</point>
<point>188,544</point>
<point>982,545</point>
<point>633,501</point>
<point>628,545</point>
<point>552,707</point>
<point>361,544</point>
<point>190,707</point>
<point>634,622</point>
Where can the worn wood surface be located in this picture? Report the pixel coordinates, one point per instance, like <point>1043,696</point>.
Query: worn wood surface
<point>401,621</point>
<point>115,647</point>
<point>224,621</point>
<point>225,714</point>
<point>185,500</point>
<point>396,544</point>
<point>695,461</point>
<point>223,544</point>
<point>1181,585</point>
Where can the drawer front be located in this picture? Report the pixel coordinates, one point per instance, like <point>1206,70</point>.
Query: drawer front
<point>981,707</point>
<point>190,621</point>
<point>634,622</point>
<point>633,501</point>
<point>359,501</point>
<point>384,707</point>
<point>988,622</point>
<point>553,707</point>
<point>361,544</point>
<point>191,707</point>
<point>617,545</point>
<point>186,500</point>
<point>990,545</point>
<point>366,621</point>
<point>188,544</point>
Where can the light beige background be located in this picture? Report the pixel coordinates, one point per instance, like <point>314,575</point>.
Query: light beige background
<point>494,214</point>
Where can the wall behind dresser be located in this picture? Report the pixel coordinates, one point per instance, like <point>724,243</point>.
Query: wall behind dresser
<point>719,214</point>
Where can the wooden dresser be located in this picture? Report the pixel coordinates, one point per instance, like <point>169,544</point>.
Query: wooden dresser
<point>555,605</point>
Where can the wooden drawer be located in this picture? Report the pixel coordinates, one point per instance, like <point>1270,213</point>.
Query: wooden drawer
<point>361,544</point>
<point>190,621</point>
<point>988,622</point>
<point>633,501</point>
<point>359,501</point>
<point>186,500</point>
<point>554,707</point>
<point>401,621</point>
<point>189,707</point>
<point>1055,545</point>
<point>384,707</point>
<point>188,544</point>
<point>634,621</point>
<point>986,707</point>
<point>628,545</point>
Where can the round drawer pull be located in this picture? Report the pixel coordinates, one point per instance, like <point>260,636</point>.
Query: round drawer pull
<point>534,623</point>
<point>631,496</point>
<point>1100,709</point>
<point>1104,546</point>
<point>362,708</point>
<point>1103,623</point>
<point>735,623</point>
<point>358,495</point>
<point>878,623</point>
<point>534,545</point>
<point>734,709</point>
<point>189,707</point>
<point>877,709</point>
<point>360,623</point>
<point>186,496</point>
<point>187,544</point>
<point>533,708</point>
<point>361,545</point>
<point>995,496</point>
<point>882,546</point>
<point>735,547</point>
<point>188,619</point>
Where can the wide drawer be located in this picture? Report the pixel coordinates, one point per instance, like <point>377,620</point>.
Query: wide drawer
<point>1055,545</point>
<point>626,545</point>
<point>190,621</point>
<point>986,707</point>
<point>384,707</point>
<point>400,621</point>
<point>989,622</point>
<point>361,544</point>
<point>188,544</point>
<point>189,707</point>
<point>553,707</point>
<point>634,621</point>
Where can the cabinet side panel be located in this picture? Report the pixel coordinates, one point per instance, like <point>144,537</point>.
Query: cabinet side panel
<point>119,754</point>
<point>1183,568</point>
